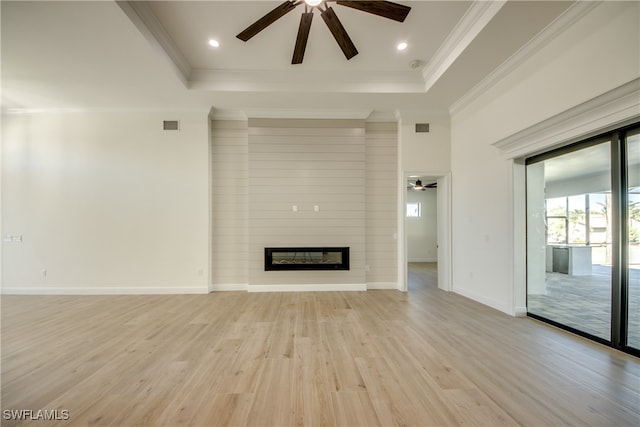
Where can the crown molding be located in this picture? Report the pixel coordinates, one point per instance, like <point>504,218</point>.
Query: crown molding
<point>223,114</point>
<point>306,81</point>
<point>148,24</point>
<point>370,116</point>
<point>306,113</point>
<point>573,14</point>
<point>612,109</point>
<point>479,14</point>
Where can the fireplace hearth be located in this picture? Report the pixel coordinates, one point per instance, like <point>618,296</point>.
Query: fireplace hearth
<point>306,258</point>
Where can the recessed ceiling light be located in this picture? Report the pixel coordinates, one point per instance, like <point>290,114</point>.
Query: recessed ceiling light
<point>214,43</point>
<point>402,46</point>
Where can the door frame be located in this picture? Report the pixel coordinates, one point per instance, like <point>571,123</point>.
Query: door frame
<point>444,229</point>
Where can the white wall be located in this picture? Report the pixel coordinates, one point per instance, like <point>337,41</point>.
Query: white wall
<point>597,54</point>
<point>105,203</point>
<point>422,232</point>
<point>425,152</point>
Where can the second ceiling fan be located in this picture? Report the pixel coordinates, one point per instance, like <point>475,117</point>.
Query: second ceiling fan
<point>386,9</point>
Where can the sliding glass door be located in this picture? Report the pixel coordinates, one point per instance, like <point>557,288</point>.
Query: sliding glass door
<point>633,237</point>
<point>583,238</point>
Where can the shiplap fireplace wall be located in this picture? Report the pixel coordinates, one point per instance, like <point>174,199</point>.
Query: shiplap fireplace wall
<point>296,183</point>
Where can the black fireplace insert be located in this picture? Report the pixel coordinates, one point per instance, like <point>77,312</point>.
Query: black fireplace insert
<point>306,258</point>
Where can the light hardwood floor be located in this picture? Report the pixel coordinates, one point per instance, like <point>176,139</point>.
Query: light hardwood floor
<point>424,358</point>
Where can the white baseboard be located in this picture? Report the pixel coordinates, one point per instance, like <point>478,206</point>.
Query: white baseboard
<point>104,291</point>
<point>482,299</point>
<point>422,260</point>
<point>520,311</point>
<point>382,285</point>
<point>308,288</point>
<point>221,287</point>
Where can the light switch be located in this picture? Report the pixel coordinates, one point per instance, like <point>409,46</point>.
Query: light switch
<point>295,208</point>
<point>316,208</point>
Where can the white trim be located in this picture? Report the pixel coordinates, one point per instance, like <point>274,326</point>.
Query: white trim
<point>382,286</point>
<point>573,14</point>
<point>297,81</point>
<point>444,220</point>
<point>307,113</point>
<point>518,238</point>
<point>148,24</point>
<point>422,260</point>
<point>479,14</point>
<point>520,312</point>
<point>227,114</point>
<point>481,298</point>
<point>445,240</point>
<point>103,291</point>
<point>318,287</point>
<point>608,110</point>
<point>221,287</point>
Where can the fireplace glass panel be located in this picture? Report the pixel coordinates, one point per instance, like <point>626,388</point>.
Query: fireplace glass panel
<point>306,258</point>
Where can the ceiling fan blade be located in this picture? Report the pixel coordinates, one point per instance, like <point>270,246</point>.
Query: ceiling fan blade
<point>339,33</point>
<point>267,20</point>
<point>386,9</point>
<point>303,36</point>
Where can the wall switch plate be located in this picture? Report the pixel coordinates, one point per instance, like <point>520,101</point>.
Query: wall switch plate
<point>316,208</point>
<point>295,208</point>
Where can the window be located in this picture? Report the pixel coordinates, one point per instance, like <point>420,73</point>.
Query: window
<point>414,210</point>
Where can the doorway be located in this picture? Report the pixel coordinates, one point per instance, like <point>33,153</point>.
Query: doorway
<point>425,230</point>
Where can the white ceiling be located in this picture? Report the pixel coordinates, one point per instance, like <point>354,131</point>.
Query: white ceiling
<point>103,55</point>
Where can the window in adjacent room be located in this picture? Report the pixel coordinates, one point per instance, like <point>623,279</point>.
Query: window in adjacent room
<point>414,210</point>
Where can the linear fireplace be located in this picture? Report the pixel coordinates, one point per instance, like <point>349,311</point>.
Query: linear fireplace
<point>306,258</point>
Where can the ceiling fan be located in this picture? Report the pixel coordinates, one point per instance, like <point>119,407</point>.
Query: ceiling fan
<point>386,9</point>
<point>421,187</point>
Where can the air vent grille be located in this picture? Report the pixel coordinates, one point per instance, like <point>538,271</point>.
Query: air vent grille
<point>422,127</point>
<point>171,125</point>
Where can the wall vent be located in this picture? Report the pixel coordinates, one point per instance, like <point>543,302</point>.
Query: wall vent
<point>422,127</point>
<point>171,125</point>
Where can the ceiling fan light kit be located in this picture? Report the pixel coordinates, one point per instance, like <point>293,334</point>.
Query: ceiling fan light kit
<point>386,9</point>
<point>419,186</point>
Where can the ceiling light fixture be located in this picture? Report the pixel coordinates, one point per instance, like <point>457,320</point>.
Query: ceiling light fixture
<point>418,185</point>
<point>214,43</point>
<point>313,3</point>
<point>402,46</point>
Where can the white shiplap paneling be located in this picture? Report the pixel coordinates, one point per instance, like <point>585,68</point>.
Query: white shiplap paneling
<point>306,163</point>
<point>229,204</point>
<point>264,167</point>
<point>381,204</point>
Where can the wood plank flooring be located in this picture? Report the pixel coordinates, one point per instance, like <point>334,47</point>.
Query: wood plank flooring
<point>376,358</point>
